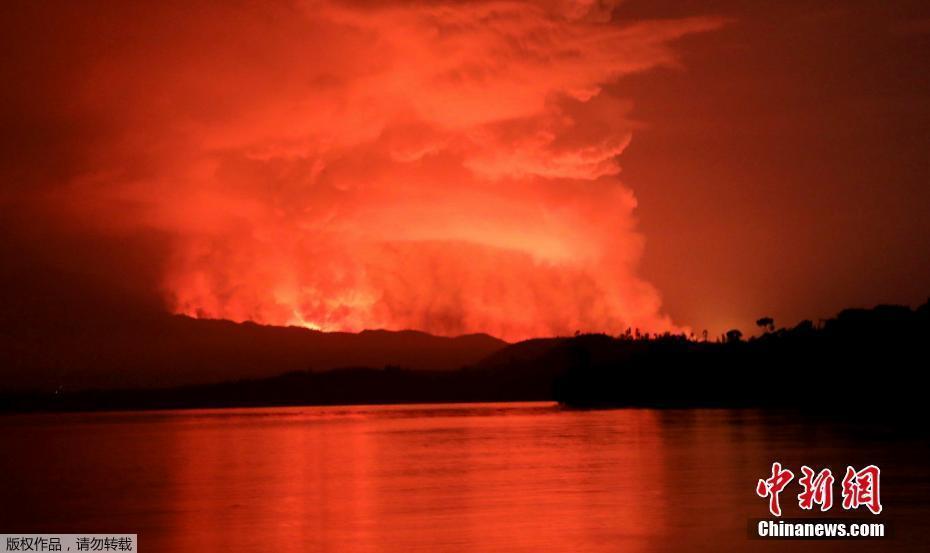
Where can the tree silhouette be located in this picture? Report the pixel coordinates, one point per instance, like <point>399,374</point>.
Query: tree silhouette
<point>734,336</point>
<point>766,323</point>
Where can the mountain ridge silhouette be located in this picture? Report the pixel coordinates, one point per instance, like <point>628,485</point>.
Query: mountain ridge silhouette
<point>862,360</point>
<point>176,350</point>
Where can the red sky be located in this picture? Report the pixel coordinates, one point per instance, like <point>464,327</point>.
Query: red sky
<point>520,169</point>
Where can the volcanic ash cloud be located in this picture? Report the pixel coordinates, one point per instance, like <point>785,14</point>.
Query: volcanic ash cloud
<point>445,167</point>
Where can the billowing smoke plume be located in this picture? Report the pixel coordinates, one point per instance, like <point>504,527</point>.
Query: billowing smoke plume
<point>443,166</point>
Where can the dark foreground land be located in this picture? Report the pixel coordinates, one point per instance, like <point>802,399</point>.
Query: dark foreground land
<point>865,361</point>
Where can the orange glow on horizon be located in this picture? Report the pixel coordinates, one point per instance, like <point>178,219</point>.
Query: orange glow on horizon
<point>445,167</point>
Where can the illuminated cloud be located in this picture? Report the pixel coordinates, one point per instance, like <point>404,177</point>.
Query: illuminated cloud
<point>450,167</point>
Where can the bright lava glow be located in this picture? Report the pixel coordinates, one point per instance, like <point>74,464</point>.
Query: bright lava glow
<point>449,167</point>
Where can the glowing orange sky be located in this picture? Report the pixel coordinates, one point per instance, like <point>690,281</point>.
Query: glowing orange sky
<point>445,167</point>
<point>455,166</point>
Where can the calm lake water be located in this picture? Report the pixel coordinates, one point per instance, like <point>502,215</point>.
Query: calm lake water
<point>483,477</point>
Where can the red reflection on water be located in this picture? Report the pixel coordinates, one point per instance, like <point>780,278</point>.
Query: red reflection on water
<point>447,478</point>
<point>460,479</point>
